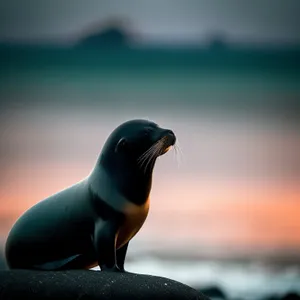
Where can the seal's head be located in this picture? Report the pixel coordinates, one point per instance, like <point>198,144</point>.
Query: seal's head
<point>129,155</point>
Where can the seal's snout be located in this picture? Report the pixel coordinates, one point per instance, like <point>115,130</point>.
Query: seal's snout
<point>170,137</point>
<point>169,140</point>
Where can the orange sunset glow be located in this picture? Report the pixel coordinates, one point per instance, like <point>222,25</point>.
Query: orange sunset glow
<point>219,212</point>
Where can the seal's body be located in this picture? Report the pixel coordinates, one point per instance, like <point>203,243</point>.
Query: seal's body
<point>92,222</point>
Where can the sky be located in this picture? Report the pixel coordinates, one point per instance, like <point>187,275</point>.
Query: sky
<point>274,21</point>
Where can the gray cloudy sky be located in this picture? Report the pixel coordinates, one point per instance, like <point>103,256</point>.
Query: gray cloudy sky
<point>256,20</point>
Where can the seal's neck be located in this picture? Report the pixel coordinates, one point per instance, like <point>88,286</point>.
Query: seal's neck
<point>107,190</point>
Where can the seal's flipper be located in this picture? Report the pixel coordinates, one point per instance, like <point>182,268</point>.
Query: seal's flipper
<point>121,254</point>
<point>105,235</point>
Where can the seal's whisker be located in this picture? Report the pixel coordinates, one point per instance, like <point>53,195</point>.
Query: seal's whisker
<point>181,155</point>
<point>150,149</point>
<point>176,155</point>
<point>152,158</point>
<point>147,153</point>
<point>151,154</point>
<point>154,154</point>
<point>144,158</point>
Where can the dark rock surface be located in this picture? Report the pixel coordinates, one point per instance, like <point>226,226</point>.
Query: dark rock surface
<point>288,296</point>
<point>291,296</point>
<point>213,292</point>
<point>84,284</point>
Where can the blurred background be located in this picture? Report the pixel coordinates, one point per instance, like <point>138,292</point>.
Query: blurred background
<point>224,75</point>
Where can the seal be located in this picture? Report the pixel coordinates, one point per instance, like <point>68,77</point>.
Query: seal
<point>92,222</point>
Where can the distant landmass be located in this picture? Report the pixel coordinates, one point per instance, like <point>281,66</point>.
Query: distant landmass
<point>91,49</point>
<point>112,37</point>
<point>115,33</point>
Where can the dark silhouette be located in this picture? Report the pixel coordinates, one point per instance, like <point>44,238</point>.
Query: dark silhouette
<point>110,38</point>
<point>291,296</point>
<point>288,296</point>
<point>217,41</point>
<point>213,292</point>
<point>112,34</point>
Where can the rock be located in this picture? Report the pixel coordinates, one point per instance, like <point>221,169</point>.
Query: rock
<point>88,284</point>
<point>213,292</point>
<point>291,296</point>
